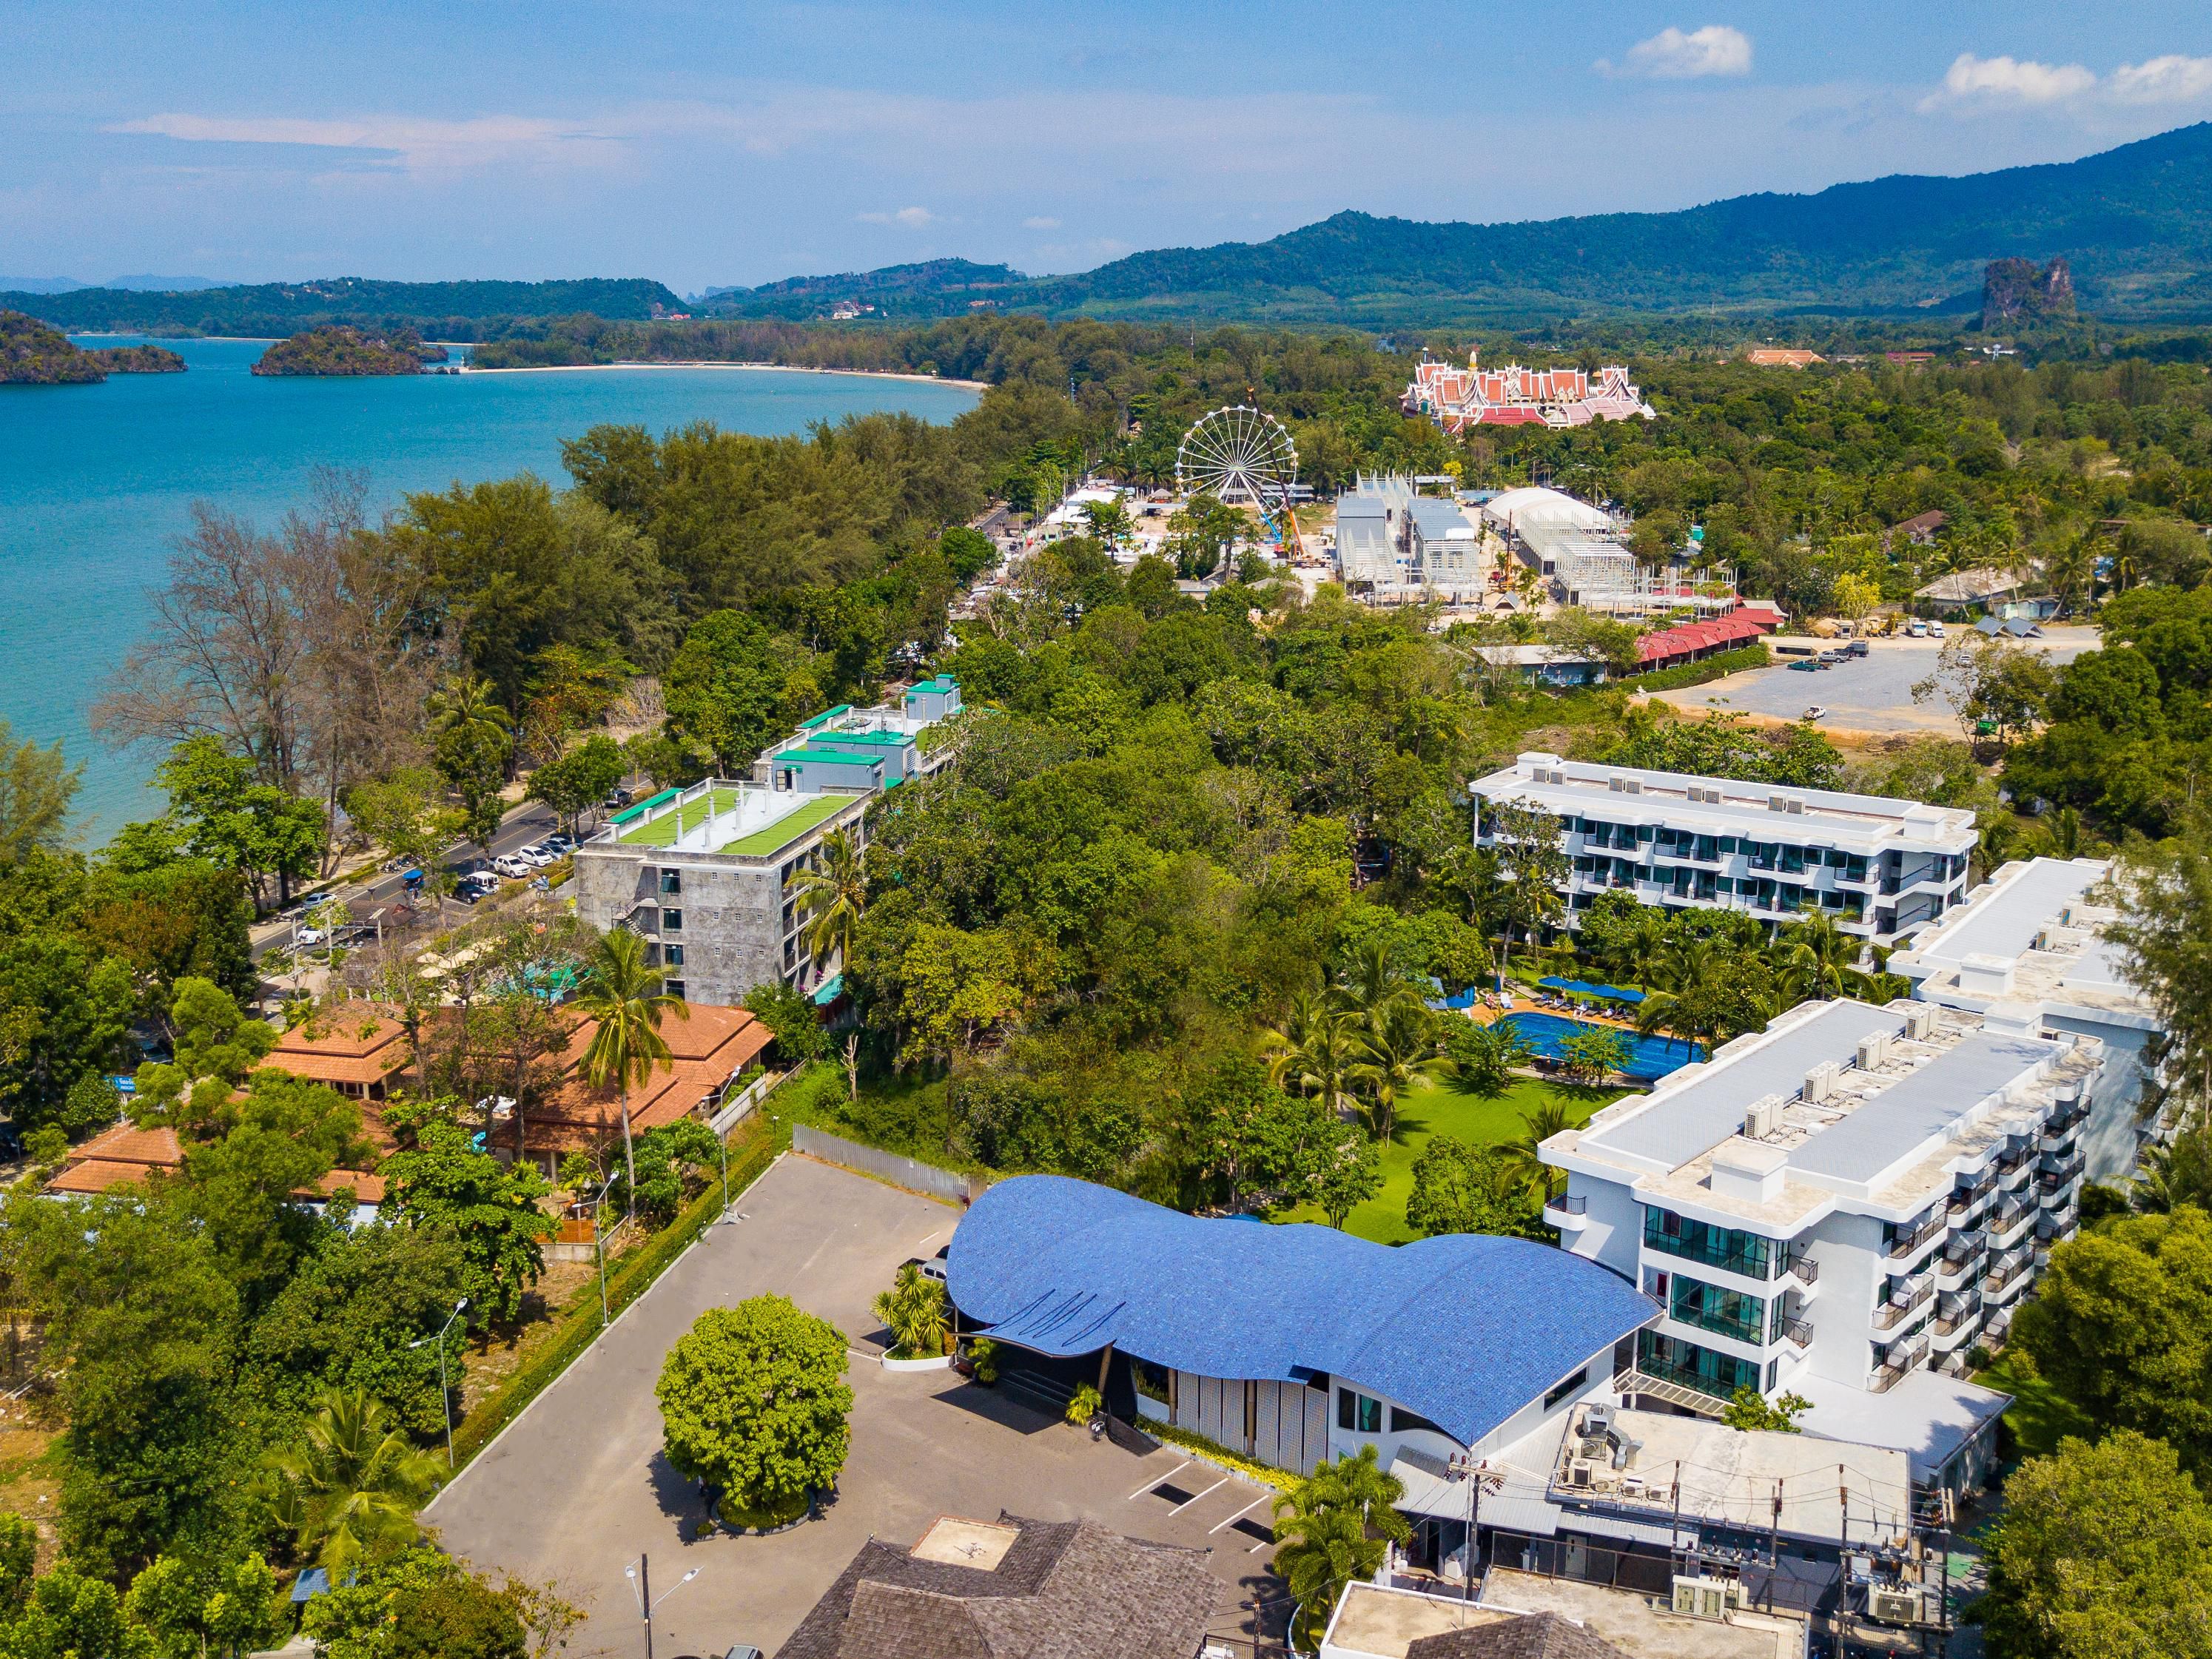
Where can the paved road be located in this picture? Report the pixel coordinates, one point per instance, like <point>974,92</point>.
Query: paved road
<point>530,821</point>
<point>577,1488</point>
<point>1871,693</point>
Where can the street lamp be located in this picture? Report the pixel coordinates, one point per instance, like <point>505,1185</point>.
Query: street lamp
<point>599,1245</point>
<point>445,1400</point>
<point>641,1589</point>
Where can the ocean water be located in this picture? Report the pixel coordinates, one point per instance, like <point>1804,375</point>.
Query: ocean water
<point>96,482</point>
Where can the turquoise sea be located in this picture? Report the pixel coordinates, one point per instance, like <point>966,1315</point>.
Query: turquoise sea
<point>97,481</point>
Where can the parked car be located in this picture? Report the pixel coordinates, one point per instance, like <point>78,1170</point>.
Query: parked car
<point>1829,659</point>
<point>932,1268</point>
<point>537,855</point>
<point>511,866</point>
<point>1816,713</point>
<point>1805,665</point>
<point>617,797</point>
<point>1858,648</point>
<point>1934,630</point>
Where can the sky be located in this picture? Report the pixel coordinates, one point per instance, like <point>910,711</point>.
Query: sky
<point>738,143</point>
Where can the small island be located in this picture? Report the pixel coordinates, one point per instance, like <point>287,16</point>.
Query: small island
<point>350,351</point>
<point>136,358</point>
<point>33,354</point>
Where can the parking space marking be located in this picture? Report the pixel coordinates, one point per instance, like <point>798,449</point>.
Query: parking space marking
<point>1149,1485</point>
<point>1231,1520</point>
<point>1188,1502</point>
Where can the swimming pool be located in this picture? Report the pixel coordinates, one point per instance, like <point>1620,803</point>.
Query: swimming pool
<point>1650,1058</point>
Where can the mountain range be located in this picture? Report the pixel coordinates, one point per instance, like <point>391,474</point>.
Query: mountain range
<point>2135,224</point>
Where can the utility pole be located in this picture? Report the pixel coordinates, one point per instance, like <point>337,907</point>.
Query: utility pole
<point>1773,1546</point>
<point>645,1598</point>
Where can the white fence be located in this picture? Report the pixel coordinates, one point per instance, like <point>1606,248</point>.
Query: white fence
<point>899,1170</point>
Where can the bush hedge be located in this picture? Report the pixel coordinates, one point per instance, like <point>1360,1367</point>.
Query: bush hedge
<point>1755,655</point>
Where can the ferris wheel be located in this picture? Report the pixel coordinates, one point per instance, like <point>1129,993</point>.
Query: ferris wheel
<point>1238,454</point>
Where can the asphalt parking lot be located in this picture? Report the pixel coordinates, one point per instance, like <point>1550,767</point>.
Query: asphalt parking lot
<point>1872,693</point>
<point>576,1488</point>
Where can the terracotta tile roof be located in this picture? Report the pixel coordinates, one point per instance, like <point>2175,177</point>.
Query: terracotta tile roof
<point>366,1188</point>
<point>1730,631</point>
<point>126,1143</point>
<point>97,1175</point>
<point>360,1044</point>
<point>708,1048</point>
<point>1064,1590</point>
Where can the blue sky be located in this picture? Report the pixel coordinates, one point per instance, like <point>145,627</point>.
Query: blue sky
<point>740,143</point>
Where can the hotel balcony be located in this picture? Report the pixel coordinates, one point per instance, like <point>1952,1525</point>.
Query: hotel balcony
<point>1956,1266</point>
<point>1911,1244</point>
<point>1568,1213</point>
<point>2010,1222</point>
<point>1798,1331</point>
<point>1902,1303</point>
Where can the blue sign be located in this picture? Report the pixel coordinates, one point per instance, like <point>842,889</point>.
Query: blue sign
<point>124,1085</point>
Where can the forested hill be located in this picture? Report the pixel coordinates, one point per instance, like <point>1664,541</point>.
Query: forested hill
<point>284,309</point>
<point>2135,224</point>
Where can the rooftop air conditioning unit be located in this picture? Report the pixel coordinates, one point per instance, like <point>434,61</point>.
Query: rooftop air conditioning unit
<point>1873,1050</point>
<point>1617,783</point>
<point>1920,1022</point>
<point>1795,805</point>
<point>2066,916</point>
<point>2042,940</point>
<point>1632,785</point>
<point>1893,1606</point>
<point>1624,1453</point>
<point>1820,1083</point>
<point>1578,1474</point>
<point>1777,804</point>
<point>1597,1420</point>
<point>1758,1118</point>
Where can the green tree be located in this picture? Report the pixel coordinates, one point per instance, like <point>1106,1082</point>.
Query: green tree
<point>832,893</point>
<point>1314,1050</point>
<point>671,1158</point>
<point>1820,960</point>
<point>725,689</point>
<point>1397,1052</point>
<point>913,1311</point>
<point>216,1046</point>
<point>191,1609</point>
<point>420,1603</point>
<point>1589,1057</point>
<point>580,779</point>
<point>1484,1058</point>
<point>2121,1325</point>
<point>2102,1551</point>
<point>1459,1188</point>
<point>405,813</point>
<point>790,1013</point>
<point>1348,1172</point>
<point>222,814</point>
<point>1524,1154</point>
<point>753,1400</point>
<point>1748,1409</point>
<point>2164,938</point>
<point>629,999</point>
<point>36,787</point>
<point>348,1489</point>
<point>488,1208</point>
<point>1333,1529</point>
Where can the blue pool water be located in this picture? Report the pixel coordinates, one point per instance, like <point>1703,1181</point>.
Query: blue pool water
<point>1650,1058</point>
<point>96,481</point>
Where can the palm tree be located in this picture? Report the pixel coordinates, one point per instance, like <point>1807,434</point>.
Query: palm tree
<point>832,897</point>
<point>1521,1154</point>
<point>913,1311</point>
<point>1821,959</point>
<point>1312,1050</point>
<point>465,701</point>
<point>351,1484</point>
<point>1370,984</point>
<point>626,995</point>
<point>2062,836</point>
<point>1994,841</point>
<point>1333,1529</point>
<point>1396,1050</point>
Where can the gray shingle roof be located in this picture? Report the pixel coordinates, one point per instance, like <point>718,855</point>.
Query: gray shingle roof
<point>1538,1636</point>
<point>1066,1589</point>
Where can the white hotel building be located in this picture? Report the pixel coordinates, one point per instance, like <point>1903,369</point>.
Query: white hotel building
<point>1881,867</point>
<point>1836,1205</point>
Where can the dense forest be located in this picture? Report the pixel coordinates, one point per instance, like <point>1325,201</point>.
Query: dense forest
<point>445,311</point>
<point>349,351</point>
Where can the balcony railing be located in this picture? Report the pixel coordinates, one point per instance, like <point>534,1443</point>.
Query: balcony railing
<point>1754,1260</point>
<point>1799,1331</point>
<point>1961,1264</point>
<point>1802,1267</point>
<point>1907,1243</point>
<point>1567,1205</point>
<point>1898,1309</point>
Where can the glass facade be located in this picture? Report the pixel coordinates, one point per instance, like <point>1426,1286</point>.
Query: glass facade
<point>1358,1413</point>
<point>1731,1251</point>
<point>1725,1313</point>
<point>1670,1359</point>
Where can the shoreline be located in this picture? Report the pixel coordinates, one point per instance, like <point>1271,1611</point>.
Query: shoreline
<point>773,369</point>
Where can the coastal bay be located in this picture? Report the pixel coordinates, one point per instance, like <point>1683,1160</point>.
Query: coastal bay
<point>95,481</point>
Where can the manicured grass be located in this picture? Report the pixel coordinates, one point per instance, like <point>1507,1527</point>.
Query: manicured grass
<point>1444,1109</point>
<point>2040,1416</point>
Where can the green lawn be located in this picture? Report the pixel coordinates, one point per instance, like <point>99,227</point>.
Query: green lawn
<point>1443,1107</point>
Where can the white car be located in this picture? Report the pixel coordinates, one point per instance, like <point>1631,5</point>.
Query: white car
<point>1917,630</point>
<point>1934,630</point>
<point>511,866</point>
<point>1816,713</point>
<point>538,855</point>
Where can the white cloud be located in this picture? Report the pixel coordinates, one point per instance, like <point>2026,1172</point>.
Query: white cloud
<point>913,218</point>
<point>2172,79</point>
<point>1671,55</point>
<point>1972,80</point>
<point>397,141</point>
<point>1040,223</point>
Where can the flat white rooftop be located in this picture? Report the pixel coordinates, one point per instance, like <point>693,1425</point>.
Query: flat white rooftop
<point>1730,806</point>
<point>2031,935</point>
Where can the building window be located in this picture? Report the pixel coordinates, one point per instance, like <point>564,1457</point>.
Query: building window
<point>1152,1380</point>
<point>672,881</point>
<point>1716,1247</point>
<point>672,955</point>
<point>1565,1386</point>
<point>1402,1419</point>
<point>677,988</point>
<point>671,922</point>
<point>1358,1413</point>
<point>1726,1313</point>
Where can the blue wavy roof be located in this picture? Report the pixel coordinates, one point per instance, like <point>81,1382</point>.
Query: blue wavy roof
<point>1465,1329</point>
